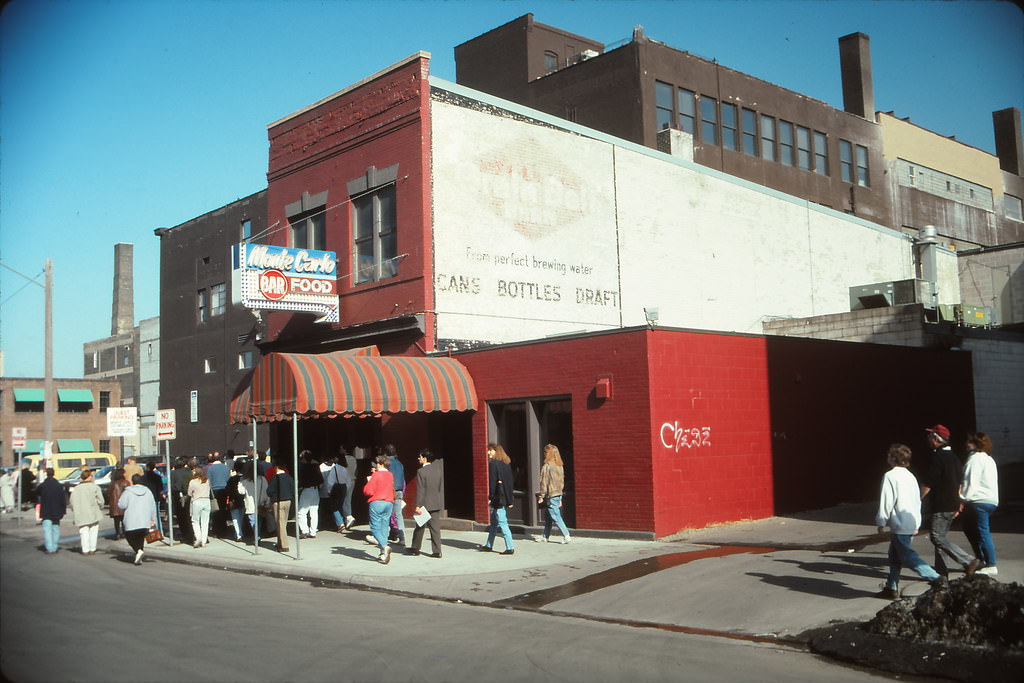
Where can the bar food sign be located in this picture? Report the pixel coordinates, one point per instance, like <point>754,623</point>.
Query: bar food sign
<point>286,279</point>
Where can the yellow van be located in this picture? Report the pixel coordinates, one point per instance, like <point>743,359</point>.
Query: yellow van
<point>64,464</point>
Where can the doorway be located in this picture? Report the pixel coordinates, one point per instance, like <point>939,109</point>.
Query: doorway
<point>523,427</point>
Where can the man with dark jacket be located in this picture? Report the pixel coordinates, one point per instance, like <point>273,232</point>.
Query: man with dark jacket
<point>430,499</point>
<point>942,482</point>
<point>181,475</point>
<point>52,506</point>
<point>281,491</point>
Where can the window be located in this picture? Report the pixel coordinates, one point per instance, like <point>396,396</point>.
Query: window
<point>104,445</point>
<point>750,132</point>
<point>309,232</point>
<point>730,139</point>
<point>209,365</point>
<point>709,120</point>
<point>376,241</point>
<point>803,148</point>
<point>202,305</point>
<point>245,230</point>
<point>244,360</point>
<point>95,360</point>
<point>687,110</point>
<point>846,161</point>
<point>786,143</point>
<point>862,166</point>
<point>820,153</point>
<point>126,356</point>
<point>218,299</point>
<point>1012,207</point>
<point>663,104</point>
<point>104,401</point>
<point>767,138</point>
<point>550,61</point>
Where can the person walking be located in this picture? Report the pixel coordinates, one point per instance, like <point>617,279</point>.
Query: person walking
<point>139,515</point>
<point>334,491</point>
<point>117,486</point>
<point>181,475</point>
<point>281,491</point>
<point>155,481</point>
<point>379,490</point>
<point>234,497</point>
<point>199,493</point>
<point>52,506</point>
<point>500,500</point>
<point>398,475</point>
<point>552,485</point>
<point>254,498</point>
<point>28,485</point>
<point>940,488</point>
<point>308,512</point>
<point>980,494</point>
<point>87,506</point>
<point>429,499</point>
<point>8,481</point>
<point>131,468</point>
<point>899,508</point>
<point>349,463</point>
<point>217,474</point>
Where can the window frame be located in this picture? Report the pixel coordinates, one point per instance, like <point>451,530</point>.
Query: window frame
<point>771,138</point>
<point>819,147</point>
<point>218,299</point>
<point>709,124</point>
<point>861,154</point>
<point>378,191</point>
<point>661,89</point>
<point>684,95</point>
<point>787,150</point>
<point>749,134</point>
<point>202,305</point>
<point>804,152</point>
<point>846,161</point>
<point>730,130</point>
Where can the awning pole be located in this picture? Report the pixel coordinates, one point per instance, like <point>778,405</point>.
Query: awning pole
<point>255,491</point>
<point>295,480</point>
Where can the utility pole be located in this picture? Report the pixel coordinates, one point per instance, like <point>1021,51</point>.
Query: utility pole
<point>49,397</point>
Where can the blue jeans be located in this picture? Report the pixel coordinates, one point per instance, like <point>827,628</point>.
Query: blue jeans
<point>336,504</point>
<point>238,521</point>
<point>977,531</point>
<point>51,535</point>
<point>554,514</point>
<point>902,555</point>
<point>380,521</point>
<point>499,520</point>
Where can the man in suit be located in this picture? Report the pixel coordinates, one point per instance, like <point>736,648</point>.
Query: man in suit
<point>429,498</point>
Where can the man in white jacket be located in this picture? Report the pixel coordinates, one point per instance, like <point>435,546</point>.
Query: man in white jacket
<point>899,508</point>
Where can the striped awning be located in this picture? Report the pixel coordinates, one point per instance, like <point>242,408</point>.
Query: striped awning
<point>352,383</point>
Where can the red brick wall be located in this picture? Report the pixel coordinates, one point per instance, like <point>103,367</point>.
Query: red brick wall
<point>709,404</point>
<point>610,437</point>
<point>380,123</point>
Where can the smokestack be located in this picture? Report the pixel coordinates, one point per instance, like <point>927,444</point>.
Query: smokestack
<point>1006,123</point>
<point>122,317</point>
<point>855,65</point>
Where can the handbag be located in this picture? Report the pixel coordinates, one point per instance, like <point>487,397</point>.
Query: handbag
<point>214,505</point>
<point>154,535</point>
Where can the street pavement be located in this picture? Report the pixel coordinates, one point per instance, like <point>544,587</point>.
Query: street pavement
<point>769,579</point>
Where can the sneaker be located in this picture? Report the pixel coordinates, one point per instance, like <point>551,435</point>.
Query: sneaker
<point>138,556</point>
<point>385,556</point>
<point>370,539</point>
<point>887,594</point>
<point>567,539</point>
<point>988,571</point>
<point>508,551</point>
<point>349,521</point>
<point>540,539</point>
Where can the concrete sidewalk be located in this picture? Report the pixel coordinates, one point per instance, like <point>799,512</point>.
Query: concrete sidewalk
<point>772,578</point>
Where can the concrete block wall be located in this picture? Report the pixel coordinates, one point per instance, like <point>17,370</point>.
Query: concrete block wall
<point>899,325</point>
<point>999,394</point>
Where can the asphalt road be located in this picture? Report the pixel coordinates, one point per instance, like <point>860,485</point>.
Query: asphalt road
<point>68,617</point>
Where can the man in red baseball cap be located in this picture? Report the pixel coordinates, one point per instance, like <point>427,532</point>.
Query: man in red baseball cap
<point>942,484</point>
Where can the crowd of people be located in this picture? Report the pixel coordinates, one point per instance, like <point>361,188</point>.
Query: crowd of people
<point>950,490</point>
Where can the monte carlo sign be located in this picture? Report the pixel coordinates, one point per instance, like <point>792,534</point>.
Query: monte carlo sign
<point>285,279</point>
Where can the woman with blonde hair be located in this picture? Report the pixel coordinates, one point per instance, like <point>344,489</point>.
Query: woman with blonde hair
<point>980,494</point>
<point>199,493</point>
<point>552,485</point>
<point>499,474</point>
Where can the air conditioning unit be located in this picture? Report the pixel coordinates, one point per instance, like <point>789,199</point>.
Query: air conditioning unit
<point>583,56</point>
<point>895,293</point>
<point>976,316</point>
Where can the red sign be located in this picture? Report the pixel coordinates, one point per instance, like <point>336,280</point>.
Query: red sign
<point>273,284</point>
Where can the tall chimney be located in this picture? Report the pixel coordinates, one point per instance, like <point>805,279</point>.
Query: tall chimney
<point>122,318</point>
<point>1009,149</point>
<point>855,64</point>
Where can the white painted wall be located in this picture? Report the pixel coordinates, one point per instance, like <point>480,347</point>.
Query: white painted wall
<point>625,228</point>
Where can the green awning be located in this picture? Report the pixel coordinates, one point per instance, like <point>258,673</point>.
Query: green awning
<point>74,396</point>
<point>28,395</point>
<point>74,445</point>
<point>33,446</point>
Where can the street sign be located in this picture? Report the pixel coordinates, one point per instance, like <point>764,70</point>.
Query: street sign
<point>193,405</point>
<point>166,427</point>
<point>18,437</point>
<point>122,421</point>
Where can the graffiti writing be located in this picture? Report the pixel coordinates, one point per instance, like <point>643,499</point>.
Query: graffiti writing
<point>675,437</point>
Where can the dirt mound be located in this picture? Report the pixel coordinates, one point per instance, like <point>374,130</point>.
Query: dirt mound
<point>968,630</point>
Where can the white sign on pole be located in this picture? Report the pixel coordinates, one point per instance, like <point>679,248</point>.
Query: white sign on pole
<point>193,405</point>
<point>18,437</point>
<point>122,421</point>
<point>166,427</point>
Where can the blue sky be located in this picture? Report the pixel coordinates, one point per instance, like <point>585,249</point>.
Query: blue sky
<point>118,117</point>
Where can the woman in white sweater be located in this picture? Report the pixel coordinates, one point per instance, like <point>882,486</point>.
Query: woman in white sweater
<point>899,508</point>
<point>980,494</point>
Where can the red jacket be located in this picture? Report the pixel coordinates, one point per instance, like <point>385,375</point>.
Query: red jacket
<point>380,487</point>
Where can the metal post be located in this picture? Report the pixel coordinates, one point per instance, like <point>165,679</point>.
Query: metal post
<point>49,399</point>
<point>255,493</point>
<point>170,492</point>
<point>20,502</point>
<point>295,479</point>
